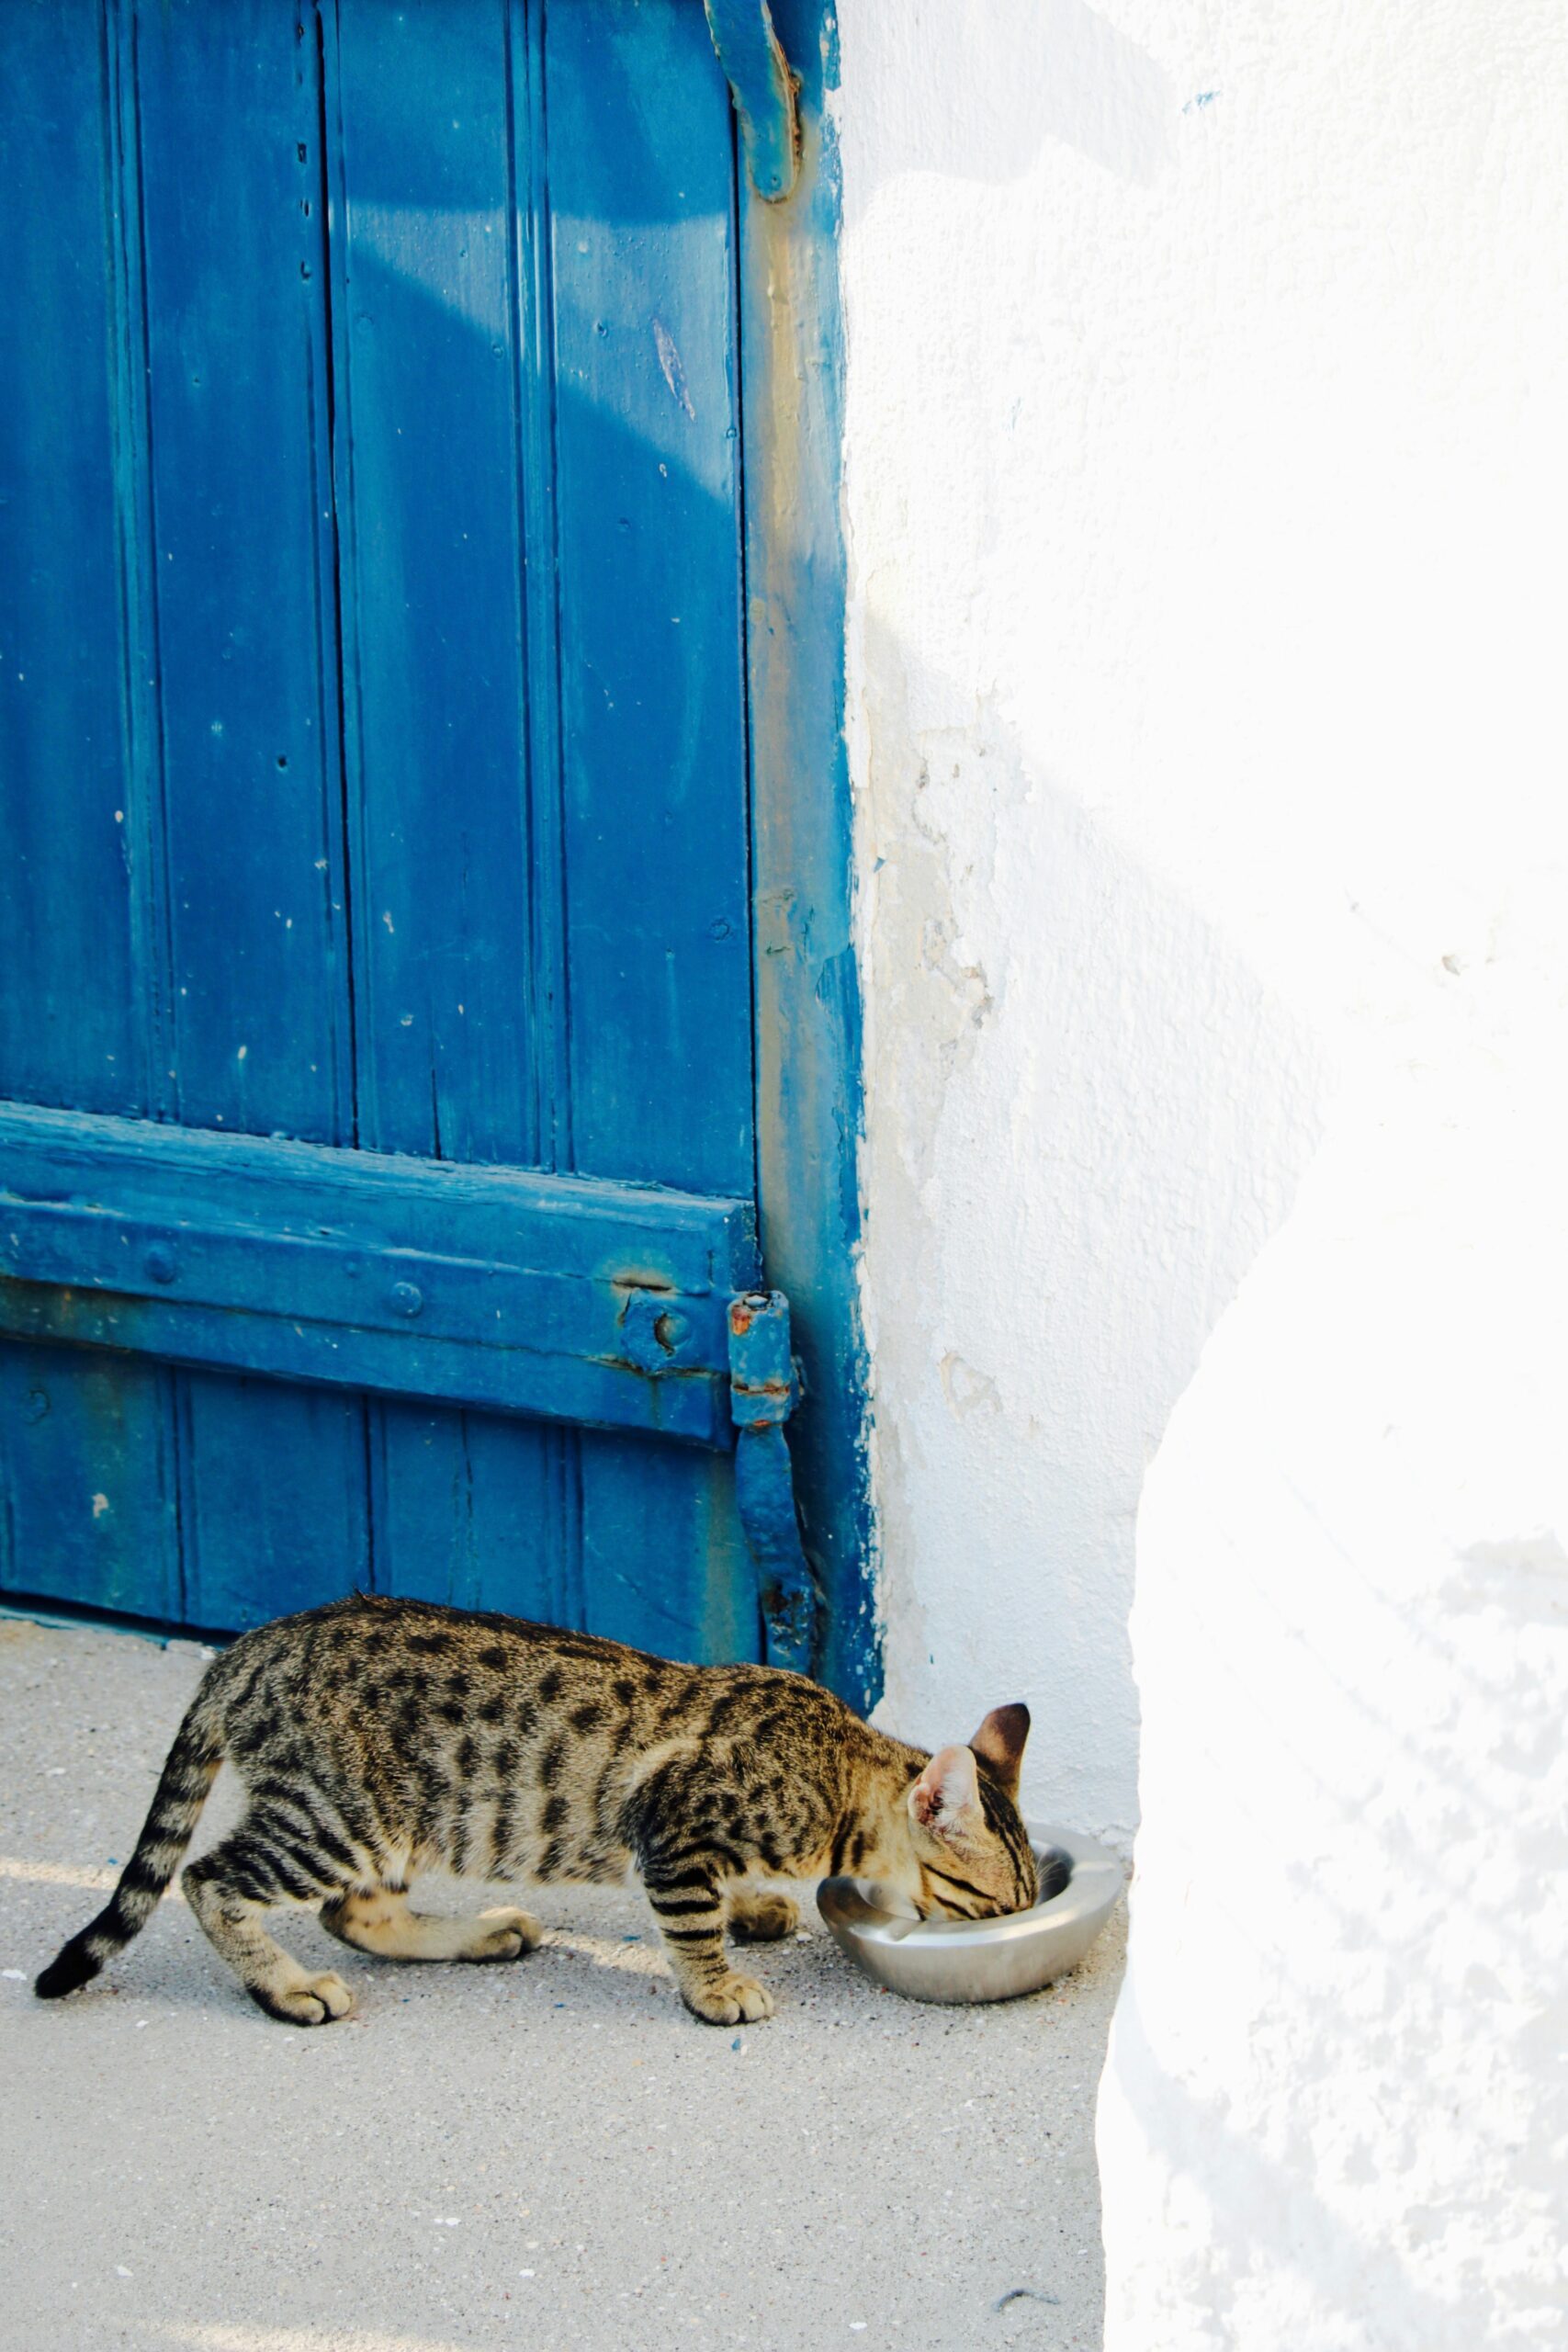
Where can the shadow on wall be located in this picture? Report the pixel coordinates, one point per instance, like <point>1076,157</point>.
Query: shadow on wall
<point>1239,2175</point>
<point>1085,1117</point>
<point>1090,88</point>
<point>1333,2110</point>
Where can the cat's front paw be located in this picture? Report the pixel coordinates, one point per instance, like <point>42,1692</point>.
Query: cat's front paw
<point>732,2000</point>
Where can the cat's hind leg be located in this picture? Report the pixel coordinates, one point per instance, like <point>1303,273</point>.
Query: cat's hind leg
<point>250,1871</point>
<point>762,1919</point>
<point>380,1921</point>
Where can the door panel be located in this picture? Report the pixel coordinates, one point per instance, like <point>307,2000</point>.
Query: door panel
<point>381,778</point>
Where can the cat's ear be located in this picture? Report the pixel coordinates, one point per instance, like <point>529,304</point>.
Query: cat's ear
<point>945,1799</point>
<point>999,1743</point>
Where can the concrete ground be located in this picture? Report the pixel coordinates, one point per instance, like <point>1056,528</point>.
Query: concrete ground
<point>549,2152</point>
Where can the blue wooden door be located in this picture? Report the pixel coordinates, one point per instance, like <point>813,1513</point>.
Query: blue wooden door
<point>376,1007</point>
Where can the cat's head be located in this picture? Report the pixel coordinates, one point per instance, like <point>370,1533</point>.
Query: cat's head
<point>969,1845</point>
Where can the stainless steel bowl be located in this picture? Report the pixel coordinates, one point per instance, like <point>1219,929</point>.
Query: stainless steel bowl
<point>983,1959</point>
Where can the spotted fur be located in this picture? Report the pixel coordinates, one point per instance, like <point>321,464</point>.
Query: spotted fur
<point>378,1737</point>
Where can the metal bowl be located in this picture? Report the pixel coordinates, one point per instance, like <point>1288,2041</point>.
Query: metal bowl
<point>983,1959</point>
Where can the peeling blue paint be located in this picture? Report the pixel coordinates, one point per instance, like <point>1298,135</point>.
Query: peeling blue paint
<point>808,1010</point>
<point>764,1390</point>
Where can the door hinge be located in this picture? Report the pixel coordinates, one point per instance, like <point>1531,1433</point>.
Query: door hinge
<point>764,1389</point>
<point>762,85</point>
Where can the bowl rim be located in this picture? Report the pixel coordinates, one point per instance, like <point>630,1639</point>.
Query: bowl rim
<point>1097,1880</point>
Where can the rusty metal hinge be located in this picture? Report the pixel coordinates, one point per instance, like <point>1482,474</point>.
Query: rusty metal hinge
<point>763,1387</point>
<point>764,88</point>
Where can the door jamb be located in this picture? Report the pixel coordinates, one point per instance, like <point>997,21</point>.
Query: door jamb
<point>807,992</point>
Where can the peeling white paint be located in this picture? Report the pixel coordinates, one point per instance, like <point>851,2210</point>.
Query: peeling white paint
<point>670,367</point>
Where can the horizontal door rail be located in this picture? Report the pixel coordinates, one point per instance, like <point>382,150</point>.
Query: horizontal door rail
<point>561,1297</point>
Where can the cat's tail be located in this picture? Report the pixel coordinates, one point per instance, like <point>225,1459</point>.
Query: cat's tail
<point>187,1775</point>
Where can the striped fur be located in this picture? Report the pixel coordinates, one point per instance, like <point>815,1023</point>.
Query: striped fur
<point>376,1738</point>
<point>187,1775</point>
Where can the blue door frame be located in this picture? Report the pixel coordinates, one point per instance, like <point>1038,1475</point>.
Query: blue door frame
<point>806,983</point>
<point>248,1255</point>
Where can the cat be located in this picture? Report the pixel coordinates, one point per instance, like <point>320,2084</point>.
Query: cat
<point>376,1737</point>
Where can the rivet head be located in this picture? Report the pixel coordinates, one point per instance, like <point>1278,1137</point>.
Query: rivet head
<point>405,1299</point>
<point>160,1262</point>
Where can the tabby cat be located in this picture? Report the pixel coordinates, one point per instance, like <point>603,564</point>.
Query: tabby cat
<point>377,1737</point>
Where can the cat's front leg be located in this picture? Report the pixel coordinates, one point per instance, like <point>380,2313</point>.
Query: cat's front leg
<point>689,1903</point>
<point>673,1823</point>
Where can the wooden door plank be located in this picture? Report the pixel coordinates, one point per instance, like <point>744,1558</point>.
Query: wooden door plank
<point>551,1295</point>
<point>240,499</point>
<point>68,1030</point>
<point>664,1565</point>
<point>274,1499</point>
<point>653,733</point>
<point>466,1515</point>
<point>88,1511</point>
<point>458,1028</point>
<point>232,231</point>
<point>269,1189</point>
<point>427,463</point>
<point>639,173</point>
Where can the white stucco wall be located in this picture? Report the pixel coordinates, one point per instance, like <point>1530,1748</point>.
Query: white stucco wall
<point>1205,502</point>
<point>1335,2110</point>
<point>1070,1154</point>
